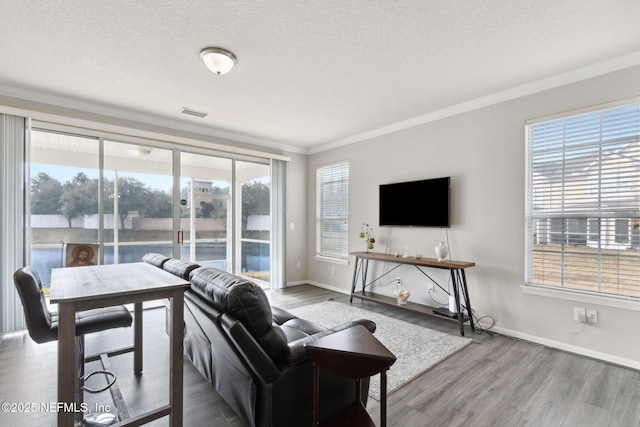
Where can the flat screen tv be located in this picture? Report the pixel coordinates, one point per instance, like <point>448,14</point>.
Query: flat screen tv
<point>423,203</point>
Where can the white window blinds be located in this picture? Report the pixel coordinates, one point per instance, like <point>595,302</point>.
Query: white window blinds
<point>13,229</point>
<point>332,210</point>
<point>583,201</point>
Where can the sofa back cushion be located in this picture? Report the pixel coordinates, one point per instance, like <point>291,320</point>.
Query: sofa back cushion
<point>155,259</point>
<point>179,268</point>
<point>246,302</point>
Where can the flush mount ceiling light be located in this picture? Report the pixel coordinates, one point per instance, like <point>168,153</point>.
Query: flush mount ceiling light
<point>218,60</point>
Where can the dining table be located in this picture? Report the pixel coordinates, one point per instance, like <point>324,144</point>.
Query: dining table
<point>76,289</point>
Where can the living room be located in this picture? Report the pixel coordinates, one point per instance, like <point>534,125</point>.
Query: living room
<point>476,138</point>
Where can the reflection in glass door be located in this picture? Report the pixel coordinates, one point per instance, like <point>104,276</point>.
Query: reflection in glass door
<point>205,217</point>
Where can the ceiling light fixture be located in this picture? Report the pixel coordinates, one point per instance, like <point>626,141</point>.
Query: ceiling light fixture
<point>218,60</point>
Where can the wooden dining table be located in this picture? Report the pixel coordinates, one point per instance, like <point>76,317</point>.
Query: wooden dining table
<point>76,289</point>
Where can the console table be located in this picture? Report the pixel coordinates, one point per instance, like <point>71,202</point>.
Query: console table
<point>458,283</point>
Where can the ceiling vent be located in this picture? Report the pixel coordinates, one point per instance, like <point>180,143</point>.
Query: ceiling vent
<point>194,113</point>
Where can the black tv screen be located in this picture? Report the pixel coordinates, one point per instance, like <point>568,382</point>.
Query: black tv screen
<point>422,203</point>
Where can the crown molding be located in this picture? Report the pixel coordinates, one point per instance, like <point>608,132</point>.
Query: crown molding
<point>574,76</point>
<point>580,74</point>
<point>57,101</point>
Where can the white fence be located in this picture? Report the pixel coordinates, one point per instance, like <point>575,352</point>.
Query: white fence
<point>133,221</point>
<point>88,222</point>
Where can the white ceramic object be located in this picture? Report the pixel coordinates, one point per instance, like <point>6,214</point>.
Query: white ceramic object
<point>442,251</point>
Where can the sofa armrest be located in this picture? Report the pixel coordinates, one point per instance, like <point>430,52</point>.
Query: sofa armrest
<point>260,363</point>
<point>297,351</point>
<point>369,324</point>
<point>281,316</point>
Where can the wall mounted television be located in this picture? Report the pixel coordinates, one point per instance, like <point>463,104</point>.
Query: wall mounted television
<point>423,203</point>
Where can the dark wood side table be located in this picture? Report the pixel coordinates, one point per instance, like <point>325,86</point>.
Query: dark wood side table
<point>351,353</point>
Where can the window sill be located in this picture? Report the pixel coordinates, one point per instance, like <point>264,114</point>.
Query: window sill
<point>341,261</point>
<point>583,297</point>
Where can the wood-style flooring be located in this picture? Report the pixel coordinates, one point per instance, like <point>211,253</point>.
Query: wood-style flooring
<point>495,381</point>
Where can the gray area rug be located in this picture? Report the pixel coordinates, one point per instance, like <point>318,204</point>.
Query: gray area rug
<point>416,348</point>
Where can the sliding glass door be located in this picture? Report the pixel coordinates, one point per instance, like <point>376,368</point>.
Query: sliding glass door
<point>65,171</point>
<point>100,200</point>
<point>205,214</point>
<point>222,224</point>
<point>254,208</point>
<point>137,202</point>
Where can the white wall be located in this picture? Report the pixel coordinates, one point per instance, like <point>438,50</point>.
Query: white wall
<point>296,221</point>
<point>484,152</point>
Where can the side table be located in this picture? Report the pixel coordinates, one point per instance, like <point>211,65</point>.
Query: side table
<point>351,353</point>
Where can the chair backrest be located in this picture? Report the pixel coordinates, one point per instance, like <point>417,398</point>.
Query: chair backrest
<point>34,304</point>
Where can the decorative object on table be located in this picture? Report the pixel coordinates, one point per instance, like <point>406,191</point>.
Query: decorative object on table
<point>406,250</point>
<point>366,233</point>
<point>402,295</point>
<point>442,251</point>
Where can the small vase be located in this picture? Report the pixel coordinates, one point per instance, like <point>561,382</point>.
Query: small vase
<point>403,300</point>
<point>442,251</point>
<point>402,296</point>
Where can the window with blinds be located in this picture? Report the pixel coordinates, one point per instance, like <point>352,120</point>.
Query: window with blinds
<point>583,201</point>
<point>332,210</point>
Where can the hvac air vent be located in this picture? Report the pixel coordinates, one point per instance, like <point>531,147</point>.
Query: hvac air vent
<point>194,113</point>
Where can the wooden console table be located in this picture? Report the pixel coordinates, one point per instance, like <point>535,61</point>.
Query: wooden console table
<point>458,282</point>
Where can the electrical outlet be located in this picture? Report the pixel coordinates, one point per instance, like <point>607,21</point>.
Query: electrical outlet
<point>579,314</point>
<point>399,280</point>
<point>592,316</point>
<point>430,286</point>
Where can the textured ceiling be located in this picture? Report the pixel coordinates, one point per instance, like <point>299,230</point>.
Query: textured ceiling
<point>309,73</point>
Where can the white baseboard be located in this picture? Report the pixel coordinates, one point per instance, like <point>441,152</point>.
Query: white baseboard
<point>321,285</point>
<point>331,288</point>
<point>302,282</point>
<point>621,361</point>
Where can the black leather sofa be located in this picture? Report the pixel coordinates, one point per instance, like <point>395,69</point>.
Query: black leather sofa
<point>252,353</point>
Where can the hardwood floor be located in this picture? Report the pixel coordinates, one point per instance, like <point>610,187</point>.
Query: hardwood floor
<point>495,381</point>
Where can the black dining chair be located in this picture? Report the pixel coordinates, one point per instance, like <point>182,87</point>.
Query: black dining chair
<point>42,326</point>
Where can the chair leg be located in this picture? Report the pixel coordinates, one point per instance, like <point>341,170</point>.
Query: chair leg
<point>79,393</point>
<point>84,418</point>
